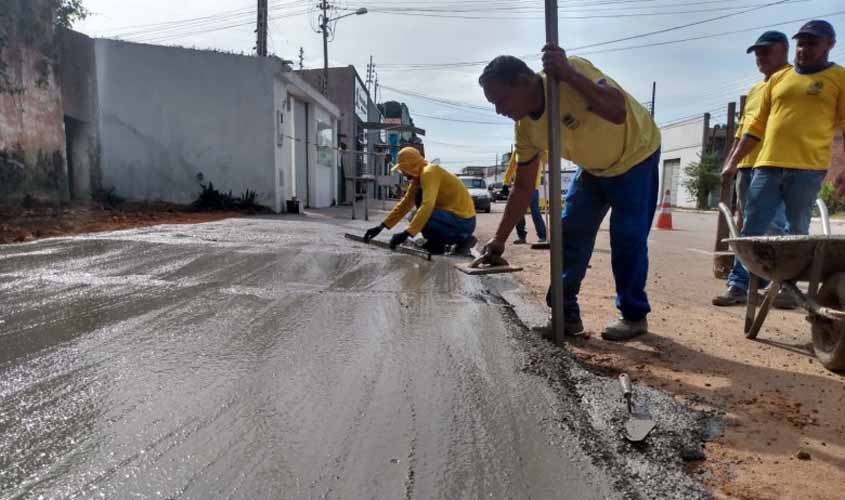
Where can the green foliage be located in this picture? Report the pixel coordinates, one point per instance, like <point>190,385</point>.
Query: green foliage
<point>702,177</point>
<point>828,195</point>
<point>211,199</point>
<point>70,11</point>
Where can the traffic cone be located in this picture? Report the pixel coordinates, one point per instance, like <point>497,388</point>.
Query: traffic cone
<point>664,220</point>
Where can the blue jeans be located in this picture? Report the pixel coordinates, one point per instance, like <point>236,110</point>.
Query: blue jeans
<point>771,187</point>
<point>738,277</point>
<point>632,197</point>
<point>536,216</point>
<point>445,228</point>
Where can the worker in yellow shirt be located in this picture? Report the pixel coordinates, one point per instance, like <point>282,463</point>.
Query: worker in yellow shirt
<point>445,211</point>
<point>771,51</point>
<point>800,110</point>
<point>615,143</point>
<point>536,215</point>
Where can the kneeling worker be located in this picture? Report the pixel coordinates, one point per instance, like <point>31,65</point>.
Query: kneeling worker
<point>445,211</point>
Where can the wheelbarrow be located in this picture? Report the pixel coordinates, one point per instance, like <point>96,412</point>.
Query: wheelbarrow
<point>785,260</point>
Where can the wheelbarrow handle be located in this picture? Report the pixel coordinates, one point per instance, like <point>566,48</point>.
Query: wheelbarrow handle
<point>825,216</point>
<point>726,212</point>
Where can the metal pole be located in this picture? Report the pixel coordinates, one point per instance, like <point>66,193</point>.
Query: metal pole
<point>261,44</point>
<point>324,27</point>
<point>553,113</point>
<point>653,96</point>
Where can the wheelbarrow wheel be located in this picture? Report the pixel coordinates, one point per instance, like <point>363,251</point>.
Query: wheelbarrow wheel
<point>828,335</point>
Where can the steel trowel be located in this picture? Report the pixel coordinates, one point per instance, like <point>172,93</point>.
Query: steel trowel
<point>639,422</point>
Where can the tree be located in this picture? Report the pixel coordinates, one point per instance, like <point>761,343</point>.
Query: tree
<point>70,11</point>
<point>702,177</point>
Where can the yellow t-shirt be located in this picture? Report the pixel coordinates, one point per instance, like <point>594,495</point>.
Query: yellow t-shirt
<point>752,107</point>
<point>511,171</point>
<point>441,189</point>
<point>598,146</point>
<point>798,116</point>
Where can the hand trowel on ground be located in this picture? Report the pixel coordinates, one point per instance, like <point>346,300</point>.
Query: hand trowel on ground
<point>639,422</point>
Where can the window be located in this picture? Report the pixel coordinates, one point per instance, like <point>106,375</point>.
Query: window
<point>325,144</point>
<point>474,183</point>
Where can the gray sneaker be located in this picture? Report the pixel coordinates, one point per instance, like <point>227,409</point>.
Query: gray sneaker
<point>623,329</point>
<point>733,296</point>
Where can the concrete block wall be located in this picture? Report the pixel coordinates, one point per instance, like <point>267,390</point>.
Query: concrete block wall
<point>32,135</point>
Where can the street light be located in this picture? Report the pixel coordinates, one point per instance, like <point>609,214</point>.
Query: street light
<point>324,27</point>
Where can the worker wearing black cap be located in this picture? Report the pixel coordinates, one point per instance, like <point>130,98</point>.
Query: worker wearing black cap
<point>771,52</point>
<point>799,112</point>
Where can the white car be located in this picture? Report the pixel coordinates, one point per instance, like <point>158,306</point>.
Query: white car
<point>477,188</point>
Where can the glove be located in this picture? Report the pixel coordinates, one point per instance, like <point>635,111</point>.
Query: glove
<point>373,232</point>
<point>398,239</point>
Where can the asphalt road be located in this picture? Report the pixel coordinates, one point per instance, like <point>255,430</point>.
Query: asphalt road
<point>260,358</point>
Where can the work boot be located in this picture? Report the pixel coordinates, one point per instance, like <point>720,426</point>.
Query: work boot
<point>785,299</point>
<point>572,327</point>
<point>520,241</point>
<point>465,247</point>
<point>733,296</point>
<point>624,329</point>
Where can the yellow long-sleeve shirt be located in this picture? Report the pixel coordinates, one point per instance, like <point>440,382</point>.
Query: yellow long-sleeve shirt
<point>440,189</point>
<point>752,106</point>
<point>510,173</point>
<point>797,118</point>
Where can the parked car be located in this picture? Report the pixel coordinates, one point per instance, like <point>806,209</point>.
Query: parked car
<point>477,188</point>
<point>499,191</point>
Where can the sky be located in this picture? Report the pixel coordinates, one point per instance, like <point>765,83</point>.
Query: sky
<point>411,41</point>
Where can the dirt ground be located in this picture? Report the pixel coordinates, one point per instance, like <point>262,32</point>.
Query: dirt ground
<point>784,435</point>
<point>19,224</point>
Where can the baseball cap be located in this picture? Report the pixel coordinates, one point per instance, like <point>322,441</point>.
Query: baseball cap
<point>768,38</point>
<point>817,28</point>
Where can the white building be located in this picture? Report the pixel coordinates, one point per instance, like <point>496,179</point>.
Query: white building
<point>165,115</point>
<point>683,143</point>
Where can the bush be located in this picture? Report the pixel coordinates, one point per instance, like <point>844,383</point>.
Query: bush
<point>702,178</point>
<point>212,199</point>
<point>828,195</point>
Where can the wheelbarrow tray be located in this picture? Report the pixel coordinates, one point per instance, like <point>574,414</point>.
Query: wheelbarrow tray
<point>788,258</point>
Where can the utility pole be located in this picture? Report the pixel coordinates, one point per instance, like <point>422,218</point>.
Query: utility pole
<point>324,27</point>
<point>301,58</point>
<point>370,71</point>
<point>261,29</point>
<point>722,258</point>
<point>653,96</point>
<point>375,90</point>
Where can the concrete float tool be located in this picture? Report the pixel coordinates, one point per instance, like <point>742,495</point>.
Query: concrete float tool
<point>381,244</point>
<point>494,265</point>
<point>639,423</point>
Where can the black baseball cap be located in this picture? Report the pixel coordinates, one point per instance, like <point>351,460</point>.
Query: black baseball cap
<point>817,28</point>
<point>768,38</point>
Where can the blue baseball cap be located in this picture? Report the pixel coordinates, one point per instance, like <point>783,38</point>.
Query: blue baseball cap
<point>768,38</point>
<point>816,28</point>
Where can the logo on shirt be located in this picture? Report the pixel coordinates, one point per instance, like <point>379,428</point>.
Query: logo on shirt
<point>570,122</point>
<point>815,88</point>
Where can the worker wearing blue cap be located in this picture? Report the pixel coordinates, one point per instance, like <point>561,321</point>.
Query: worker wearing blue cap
<point>771,52</point>
<point>800,110</point>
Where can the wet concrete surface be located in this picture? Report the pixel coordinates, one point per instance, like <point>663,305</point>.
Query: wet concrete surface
<point>272,358</point>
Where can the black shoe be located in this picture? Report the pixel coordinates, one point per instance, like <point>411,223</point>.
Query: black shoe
<point>785,299</point>
<point>465,247</point>
<point>572,327</point>
<point>520,241</point>
<point>733,296</point>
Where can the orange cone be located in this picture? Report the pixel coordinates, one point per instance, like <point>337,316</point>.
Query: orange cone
<point>664,220</point>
